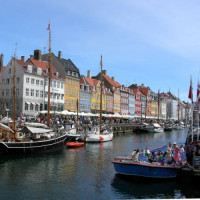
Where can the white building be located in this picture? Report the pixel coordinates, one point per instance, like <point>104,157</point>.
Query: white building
<point>29,88</point>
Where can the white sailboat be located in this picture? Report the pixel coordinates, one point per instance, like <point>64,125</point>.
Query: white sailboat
<point>98,133</point>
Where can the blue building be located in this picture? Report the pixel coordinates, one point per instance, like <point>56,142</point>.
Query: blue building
<point>85,96</point>
<point>131,102</point>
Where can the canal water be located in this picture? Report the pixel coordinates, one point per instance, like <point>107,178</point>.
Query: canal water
<point>87,172</point>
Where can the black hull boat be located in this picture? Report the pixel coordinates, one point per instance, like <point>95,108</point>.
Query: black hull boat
<point>33,147</point>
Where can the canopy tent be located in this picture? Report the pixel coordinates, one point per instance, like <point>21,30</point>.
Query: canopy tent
<point>34,130</point>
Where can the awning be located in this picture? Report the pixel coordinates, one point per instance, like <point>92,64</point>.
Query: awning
<point>27,103</point>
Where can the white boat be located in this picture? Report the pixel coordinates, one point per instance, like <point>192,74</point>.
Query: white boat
<point>156,128</point>
<point>93,134</point>
<point>179,126</point>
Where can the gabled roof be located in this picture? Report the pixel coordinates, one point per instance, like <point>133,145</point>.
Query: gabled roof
<point>144,90</point>
<point>42,64</point>
<point>91,81</point>
<point>113,83</point>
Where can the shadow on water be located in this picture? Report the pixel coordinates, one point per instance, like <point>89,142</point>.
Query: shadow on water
<point>141,188</point>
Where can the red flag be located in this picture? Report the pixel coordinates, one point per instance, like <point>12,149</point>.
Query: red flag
<point>198,92</point>
<point>190,95</point>
<point>48,28</point>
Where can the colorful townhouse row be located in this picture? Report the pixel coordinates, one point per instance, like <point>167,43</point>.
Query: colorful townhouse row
<point>69,87</point>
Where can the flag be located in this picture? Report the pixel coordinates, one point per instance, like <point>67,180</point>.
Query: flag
<point>190,95</point>
<point>48,28</point>
<point>198,92</point>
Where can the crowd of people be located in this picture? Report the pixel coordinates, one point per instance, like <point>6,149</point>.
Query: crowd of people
<point>171,156</point>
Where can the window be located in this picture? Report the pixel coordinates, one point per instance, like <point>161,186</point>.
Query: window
<point>41,82</point>
<point>17,80</point>
<point>31,106</point>
<point>7,81</point>
<point>17,92</point>
<point>26,106</point>
<point>11,92</point>
<point>7,92</point>
<point>32,92</point>
<point>32,81</point>
<point>27,79</point>
<point>3,81</point>
<point>41,94</point>
<point>27,92</point>
<point>58,85</point>
<point>2,93</point>
<point>37,93</point>
<point>37,82</point>
<point>9,70</point>
<point>36,107</point>
<point>61,85</point>
<point>46,94</point>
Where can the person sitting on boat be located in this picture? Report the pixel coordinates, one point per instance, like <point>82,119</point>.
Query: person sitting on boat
<point>146,151</point>
<point>170,159</point>
<point>135,155</point>
<point>161,157</point>
<point>177,156</point>
<point>153,157</point>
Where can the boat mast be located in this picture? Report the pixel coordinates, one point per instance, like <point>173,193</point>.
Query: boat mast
<point>77,112</point>
<point>14,99</point>
<point>49,85</point>
<point>101,64</point>
<point>178,105</point>
<point>158,106</point>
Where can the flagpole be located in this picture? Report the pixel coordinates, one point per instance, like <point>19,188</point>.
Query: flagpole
<point>198,88</point>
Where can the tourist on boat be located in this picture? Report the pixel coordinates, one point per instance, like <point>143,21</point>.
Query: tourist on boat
<point>146,151</point>
<point>169,149</point>
<point>182,150</point>
<point>161,156</point>
<point>153,157</point>
<point>170,159</point>
<point>177,156</point>
<point>135,155</point>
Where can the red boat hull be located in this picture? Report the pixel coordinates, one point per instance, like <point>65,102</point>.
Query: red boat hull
<point>74,144</point>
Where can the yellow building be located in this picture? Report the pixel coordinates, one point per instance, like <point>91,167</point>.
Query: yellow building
<point>154,108</point>
<point>72,90</point>
<point>95,95</point>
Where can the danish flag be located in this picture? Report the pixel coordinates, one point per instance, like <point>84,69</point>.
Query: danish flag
<point>190,95</point>
<point>198,92</point>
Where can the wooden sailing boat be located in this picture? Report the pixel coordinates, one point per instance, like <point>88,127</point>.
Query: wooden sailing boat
<point>33,140</point>
<point>97,133</point>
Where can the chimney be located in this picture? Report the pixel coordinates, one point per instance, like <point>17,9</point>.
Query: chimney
<point>59,54</point>
<point>113,78</point>
<point>89,74</point>
<point>23,58</point>
<point>104,72</point>
<point>31,56</point>
<point>37,55</point>
<point>1,62</point>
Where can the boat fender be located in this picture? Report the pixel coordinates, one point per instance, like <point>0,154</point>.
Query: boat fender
<point>101,138</point>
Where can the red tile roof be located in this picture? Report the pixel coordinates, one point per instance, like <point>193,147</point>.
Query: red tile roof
<point>144,90</point>
<point>91,81</point>
<point>42,64</point>
<point>113,83</point>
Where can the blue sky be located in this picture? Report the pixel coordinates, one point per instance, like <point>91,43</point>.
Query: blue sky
<point>142,41</point>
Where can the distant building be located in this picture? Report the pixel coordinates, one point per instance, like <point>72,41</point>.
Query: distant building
<point>124,97</point>
<point>131,102</point>
<point>85,96</point>
<point>114,87</point>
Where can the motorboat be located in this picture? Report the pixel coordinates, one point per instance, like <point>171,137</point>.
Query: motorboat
<point>127,167</point>
<point>93,134</point>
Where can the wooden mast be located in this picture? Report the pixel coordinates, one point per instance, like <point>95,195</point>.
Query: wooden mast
<point>101,64</point>
<point>178,106</point>
<point>14,100</point>
<point>158,105</point>
<point>49,85</point>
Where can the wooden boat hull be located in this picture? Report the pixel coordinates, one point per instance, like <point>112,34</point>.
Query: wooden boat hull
<point>74,144</point>
<point>131,168</point>
<point>35,147</point>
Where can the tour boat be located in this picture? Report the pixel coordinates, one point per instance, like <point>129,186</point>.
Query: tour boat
<point>125,166</point>
<point>74,144</point>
